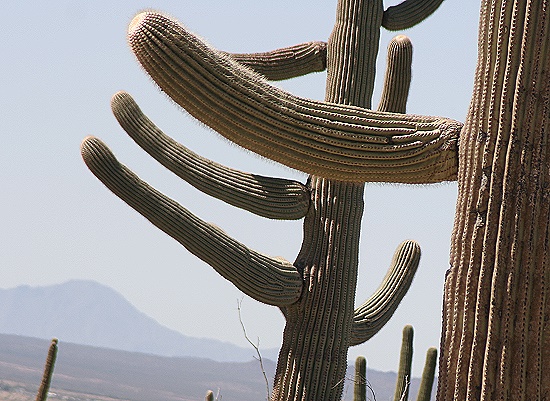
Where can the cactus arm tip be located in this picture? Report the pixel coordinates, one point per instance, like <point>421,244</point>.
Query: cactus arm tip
<point>289,62</point>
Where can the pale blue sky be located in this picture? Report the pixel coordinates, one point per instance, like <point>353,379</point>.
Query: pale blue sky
<point>60,63</point>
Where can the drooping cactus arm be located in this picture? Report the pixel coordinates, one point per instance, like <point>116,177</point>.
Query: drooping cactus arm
<point>333,141</point>
<point>273,198</point>
<point>408,13</point>
<point>273,281</point>
<point>286,63</point>
<point>372,315</point>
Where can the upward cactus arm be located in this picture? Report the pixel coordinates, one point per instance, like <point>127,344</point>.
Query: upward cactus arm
<point>408,13</point>
<point>286,63</point>
<point>334,141</point>
<point>270,280</point>
<point>372,315</point>
<point>265,196</point>
<point>397,79</point>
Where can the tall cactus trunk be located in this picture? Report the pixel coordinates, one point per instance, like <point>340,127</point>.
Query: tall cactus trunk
<point>313,358</point>
<point>496,328</point>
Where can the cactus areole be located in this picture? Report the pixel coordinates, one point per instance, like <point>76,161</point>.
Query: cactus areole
<point>340,142</point>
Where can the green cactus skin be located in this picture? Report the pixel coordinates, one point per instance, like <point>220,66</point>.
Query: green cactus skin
<point>334,141</point>
<point>273,281</point>
<point>496,335</point>
<point>42,394</point>
<point>340,142</point>
<point>209,396</point>
<point>404,372</point>
<point>286,63</point>
<point>265,196</point>
<point>408,13</point>
<point>397,80</point>
<point>428,376</point>
<point>360,379</point>
<point>405,363</point>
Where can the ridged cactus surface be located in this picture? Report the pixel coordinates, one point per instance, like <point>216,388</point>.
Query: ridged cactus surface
<point>496,328</point>
<point>340,142</point>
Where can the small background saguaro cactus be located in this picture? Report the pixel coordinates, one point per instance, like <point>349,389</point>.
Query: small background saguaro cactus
<point>403,381</point>
<point>44,388</point>
<point>341,143</point>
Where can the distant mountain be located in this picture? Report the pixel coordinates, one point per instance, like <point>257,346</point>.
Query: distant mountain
<point>88,313</point>
<point>90,373</point>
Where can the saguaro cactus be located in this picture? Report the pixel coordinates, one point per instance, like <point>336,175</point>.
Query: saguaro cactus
<point>42,394</point>
<point>403,372</point>
<point>496,329</point>
<point>405,364</point>
<point>340,142</point>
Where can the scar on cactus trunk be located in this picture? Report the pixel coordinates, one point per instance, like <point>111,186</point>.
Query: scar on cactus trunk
<point>340,142</point>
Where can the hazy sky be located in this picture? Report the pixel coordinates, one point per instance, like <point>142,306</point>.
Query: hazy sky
<point>62,60</point>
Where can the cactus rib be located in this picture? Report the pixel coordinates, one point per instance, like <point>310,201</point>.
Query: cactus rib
<point>334,141</point>
<point>289,62</point>
<point>408,13</point>
<point>273,281</point>
<point>375,312</point>
<point>273,198</point>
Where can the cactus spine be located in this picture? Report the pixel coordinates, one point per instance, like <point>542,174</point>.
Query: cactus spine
<point>340,142</point>
<point>42,394</point>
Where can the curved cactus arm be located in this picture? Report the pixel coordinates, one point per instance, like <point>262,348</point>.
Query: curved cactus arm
<point>333,141</point>
<point>397,79</point>
<point>289,62</point>
<point>372,315</point>
<point>408,13</point>
<point>428,376</point>
<point>273,198</point>
<point>273,281</point>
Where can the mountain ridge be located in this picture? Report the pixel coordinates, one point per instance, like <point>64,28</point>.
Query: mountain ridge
<point>89,313</point>
<point>93,373</point>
